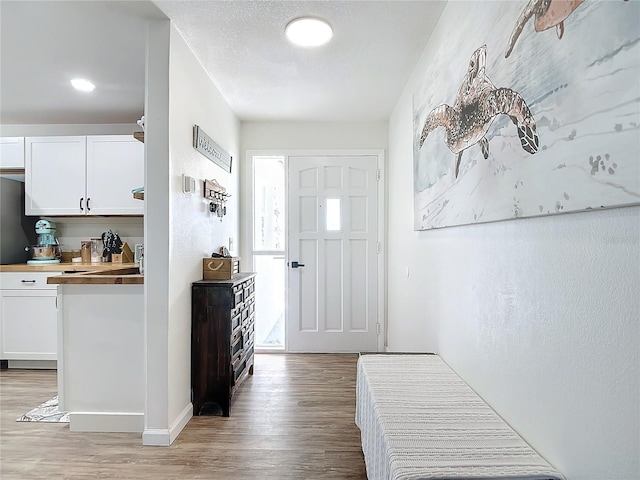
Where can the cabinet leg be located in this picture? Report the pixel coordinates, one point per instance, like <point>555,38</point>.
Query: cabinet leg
<point>251,369</point>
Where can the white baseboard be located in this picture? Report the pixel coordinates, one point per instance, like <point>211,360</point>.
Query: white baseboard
<point>106,422</point>
<point>164,437</point>
<point>269,350</point>
<point>34,364</point>
<point>156,437</point>
<point>386,349</point>
<point>180,422</point>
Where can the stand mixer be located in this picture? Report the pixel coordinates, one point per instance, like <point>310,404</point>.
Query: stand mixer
<point>47,249</point>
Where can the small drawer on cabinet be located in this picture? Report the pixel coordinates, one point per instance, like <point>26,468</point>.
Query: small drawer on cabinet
<point>236,338</point>
<point>248,289</point>
<point>238,295</point>
<point>236,322</point>
<point>236,351</point>
<point>247,322</point>
<point>247,338</point>
<point>26,280</point>
<point>238,367</point>
<point>236,346</point>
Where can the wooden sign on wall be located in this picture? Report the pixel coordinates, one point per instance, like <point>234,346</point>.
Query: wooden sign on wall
<point>210,149</point>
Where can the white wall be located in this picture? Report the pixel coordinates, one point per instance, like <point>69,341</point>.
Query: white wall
<point>284,137</point>
<point>71,231</point>
<point>313,135</point>
<point>156,234</point>
<point>180,229</point>
<point>540,316</point>
<point>194,231</point>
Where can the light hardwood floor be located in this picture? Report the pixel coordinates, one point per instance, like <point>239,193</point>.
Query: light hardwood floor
<point>294,419</point>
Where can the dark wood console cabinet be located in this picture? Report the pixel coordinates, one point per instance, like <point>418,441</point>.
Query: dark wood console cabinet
<point>222,338</point>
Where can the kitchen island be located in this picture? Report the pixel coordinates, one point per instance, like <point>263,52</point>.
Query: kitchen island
<point>101,380</point>
<point>29,307</point>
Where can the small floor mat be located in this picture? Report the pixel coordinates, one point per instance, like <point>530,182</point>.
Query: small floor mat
<point>46,412</point>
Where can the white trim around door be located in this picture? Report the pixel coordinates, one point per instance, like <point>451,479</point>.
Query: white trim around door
<point>247,227</point>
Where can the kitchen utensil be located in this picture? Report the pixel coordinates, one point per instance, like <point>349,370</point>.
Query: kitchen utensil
<point>117,243</point>
<point>111,244</point>
<point>107,242</point>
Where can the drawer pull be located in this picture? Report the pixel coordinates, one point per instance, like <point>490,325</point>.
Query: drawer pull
<point>28,281</point>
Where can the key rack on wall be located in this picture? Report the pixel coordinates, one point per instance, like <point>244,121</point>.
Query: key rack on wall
<point>218,197</point>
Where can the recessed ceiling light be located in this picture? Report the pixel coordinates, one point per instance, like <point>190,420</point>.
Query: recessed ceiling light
<point>82,85</point>
<point>308,32</point>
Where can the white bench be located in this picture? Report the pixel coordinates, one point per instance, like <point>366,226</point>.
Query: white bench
<point>419,420</point>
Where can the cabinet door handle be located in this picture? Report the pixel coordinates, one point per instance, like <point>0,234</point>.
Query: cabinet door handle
<point>88,207</point>
<point>81,199</point>
<point>28,281</point>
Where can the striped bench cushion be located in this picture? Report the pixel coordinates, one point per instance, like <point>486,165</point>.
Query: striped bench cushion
<point>419,420</point>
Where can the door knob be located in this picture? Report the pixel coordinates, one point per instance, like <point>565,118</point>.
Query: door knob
<point>296,264</point>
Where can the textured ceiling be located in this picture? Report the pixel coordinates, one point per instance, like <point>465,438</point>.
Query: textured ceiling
<point>359,75</point>
<point>44,44</point>
<point>241,44</point>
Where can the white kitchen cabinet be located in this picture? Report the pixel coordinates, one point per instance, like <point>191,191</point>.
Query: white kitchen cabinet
<point>12,153</point>
<point>78,176</point>
<point>55,171</point>
<point>28,316</point>
<point>115,166</point>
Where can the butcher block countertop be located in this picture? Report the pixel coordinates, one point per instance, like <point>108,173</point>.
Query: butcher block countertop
<point>115,276</point>
<point>85,273</point>
<point>65,267</point>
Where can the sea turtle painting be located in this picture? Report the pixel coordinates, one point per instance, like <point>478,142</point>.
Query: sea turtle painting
<point>548,13</point>
<point>477,104</point>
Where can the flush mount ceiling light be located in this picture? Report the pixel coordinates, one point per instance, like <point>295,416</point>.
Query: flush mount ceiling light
<point>308,32</point>
<point>82,85</point>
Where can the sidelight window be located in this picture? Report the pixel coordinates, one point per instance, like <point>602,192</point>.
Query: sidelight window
<point>269,250</point>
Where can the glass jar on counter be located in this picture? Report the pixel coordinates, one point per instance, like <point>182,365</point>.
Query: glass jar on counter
<point>96,250</point>
<point>85,251</point>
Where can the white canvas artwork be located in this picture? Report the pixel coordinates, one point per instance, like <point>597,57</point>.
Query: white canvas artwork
<point>532,109</point>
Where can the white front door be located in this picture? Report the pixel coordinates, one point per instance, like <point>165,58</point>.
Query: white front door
<point>332,303</point>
